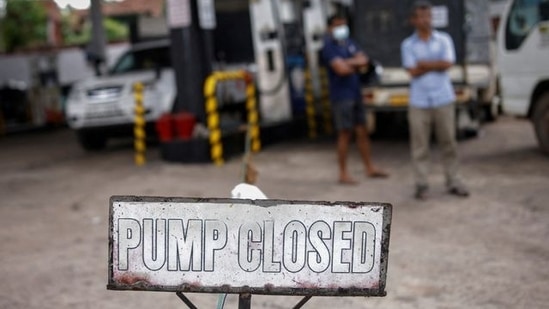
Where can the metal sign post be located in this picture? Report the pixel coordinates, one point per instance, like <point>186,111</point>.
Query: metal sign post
<point>248,247</point>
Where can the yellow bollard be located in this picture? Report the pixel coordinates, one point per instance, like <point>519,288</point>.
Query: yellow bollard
<point>310,110</point>
<point>253,115</point>
<point>140,135</point>
<point>213,117</point>
<point>325,101</point>
<point>213,120</point>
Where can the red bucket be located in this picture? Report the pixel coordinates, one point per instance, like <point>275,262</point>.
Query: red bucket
<point>184,125</point>
<point>164,128</point>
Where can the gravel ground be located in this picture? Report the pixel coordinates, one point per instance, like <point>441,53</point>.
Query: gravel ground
<point>488,251</point>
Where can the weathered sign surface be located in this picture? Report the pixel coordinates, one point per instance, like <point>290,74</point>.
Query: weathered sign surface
<point>244,246</point>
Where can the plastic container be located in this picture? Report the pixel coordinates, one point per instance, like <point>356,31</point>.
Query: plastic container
<point>184,125</point>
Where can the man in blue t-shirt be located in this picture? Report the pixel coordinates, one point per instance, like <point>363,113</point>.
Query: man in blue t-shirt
<point>427,55</point>
<point>344,59</point>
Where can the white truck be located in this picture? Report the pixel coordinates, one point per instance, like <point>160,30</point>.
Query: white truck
<point>29,91</point>
<point>381,26</point>
<point>523,56</point>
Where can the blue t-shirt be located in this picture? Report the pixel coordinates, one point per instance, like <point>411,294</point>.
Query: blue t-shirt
<point>342,88</point>
<point>432,89</point>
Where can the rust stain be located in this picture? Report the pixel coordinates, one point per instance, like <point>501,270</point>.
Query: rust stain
<point>131,279</point>
<point>226,287</point>
<point>195,285</point>
<point>306,285</point>
<point>353,205</point>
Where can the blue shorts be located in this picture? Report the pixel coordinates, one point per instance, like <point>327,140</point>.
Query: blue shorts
<point>348,114</point>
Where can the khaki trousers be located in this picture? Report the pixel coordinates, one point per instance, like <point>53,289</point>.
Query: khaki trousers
<point>421,123</point>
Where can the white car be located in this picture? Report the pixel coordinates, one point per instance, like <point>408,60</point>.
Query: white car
<point>103,107</point>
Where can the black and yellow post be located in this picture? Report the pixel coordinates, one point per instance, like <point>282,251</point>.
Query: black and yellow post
<point>212,119</point>
<point>253,114</point>
<point>253,132</point>
<point>139,125</point>
<point>325,101</point>
<point>310,110</point>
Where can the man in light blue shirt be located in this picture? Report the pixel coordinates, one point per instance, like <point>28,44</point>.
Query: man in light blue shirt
<point>427,55</point>
<point>429,87</point>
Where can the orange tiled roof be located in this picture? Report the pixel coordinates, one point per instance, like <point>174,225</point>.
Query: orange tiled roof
<point>130,7</point>
<point>52,10</point>
<point>127,7</point>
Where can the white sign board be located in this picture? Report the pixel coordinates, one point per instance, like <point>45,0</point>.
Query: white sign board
<point>440,16</point>
<point>243,246</point>
<point>206,14</point>
<point>179,13</point>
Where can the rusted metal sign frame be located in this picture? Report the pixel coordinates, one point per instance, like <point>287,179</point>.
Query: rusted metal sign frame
<point>138,284</point>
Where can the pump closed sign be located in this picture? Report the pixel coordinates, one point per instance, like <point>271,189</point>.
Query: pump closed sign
<point>243,246</point>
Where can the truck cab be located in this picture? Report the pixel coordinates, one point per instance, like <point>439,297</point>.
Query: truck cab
<point>523,54</point>
<point>381,26</point>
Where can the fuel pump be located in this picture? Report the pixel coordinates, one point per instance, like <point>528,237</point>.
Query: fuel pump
<point>268,40</point>
<point>314,24</point>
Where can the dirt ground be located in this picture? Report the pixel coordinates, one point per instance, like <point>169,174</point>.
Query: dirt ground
<point>488,251</point>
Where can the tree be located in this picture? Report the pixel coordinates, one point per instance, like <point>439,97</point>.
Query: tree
<point>24,25</point>
<point>78,32</point>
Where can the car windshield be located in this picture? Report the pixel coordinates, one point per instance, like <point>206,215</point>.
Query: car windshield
<point>147,59</point>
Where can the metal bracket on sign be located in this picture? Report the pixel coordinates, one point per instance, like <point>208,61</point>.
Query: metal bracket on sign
<point>244,301</point>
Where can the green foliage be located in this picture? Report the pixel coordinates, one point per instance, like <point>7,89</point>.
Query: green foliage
<point>24,25</point>
<point>115,30</point>
<point>78,35</point>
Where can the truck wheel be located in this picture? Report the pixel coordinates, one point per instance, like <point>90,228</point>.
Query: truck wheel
<point>540,119</point>
<point>91,141</point>
<point>467,123</point>
<point>491,98</point>
<point>491,110</point>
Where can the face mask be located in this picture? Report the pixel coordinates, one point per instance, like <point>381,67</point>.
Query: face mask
<point>341,33</point>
